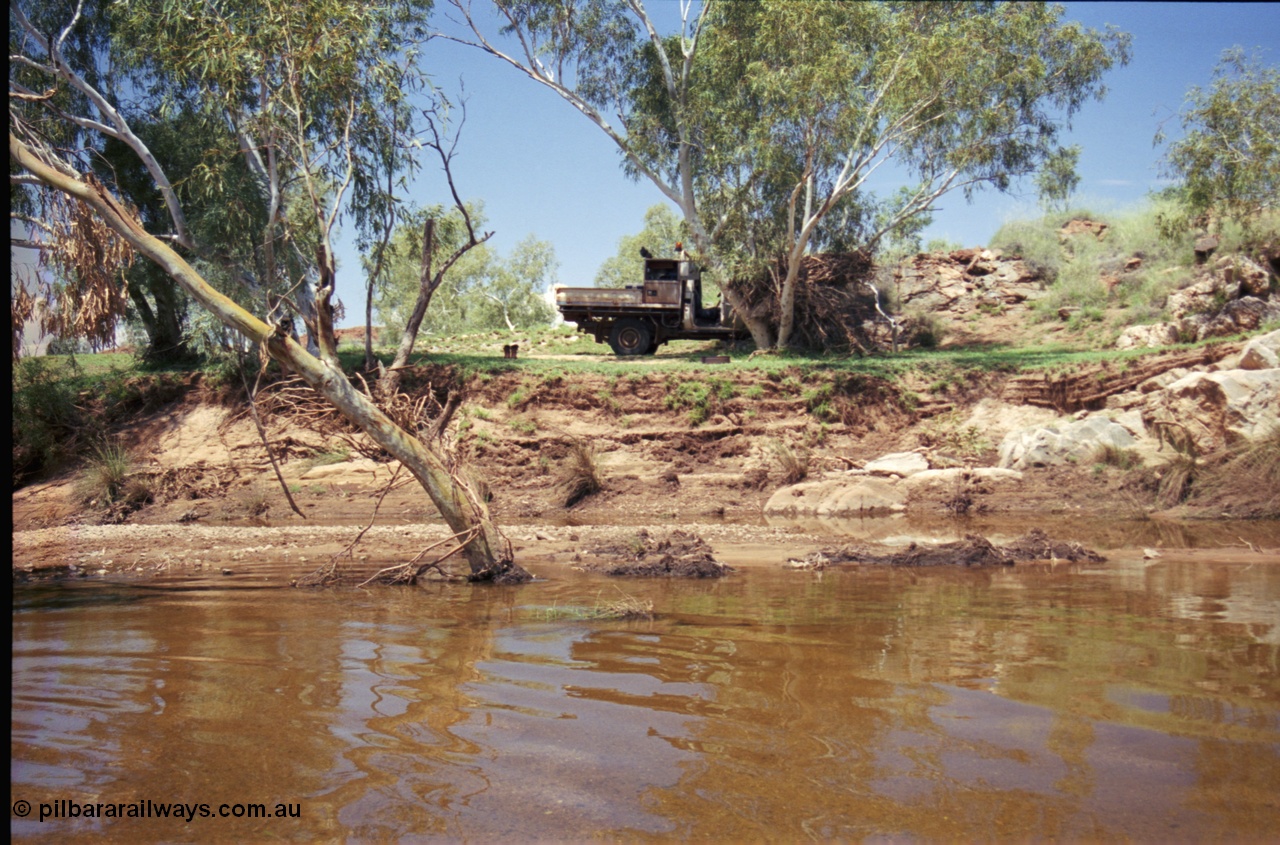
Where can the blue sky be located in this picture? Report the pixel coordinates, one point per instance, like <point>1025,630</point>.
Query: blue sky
<point>542,168</point>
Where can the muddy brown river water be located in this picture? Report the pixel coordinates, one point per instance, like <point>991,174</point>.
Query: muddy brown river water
<point>1127,700</point>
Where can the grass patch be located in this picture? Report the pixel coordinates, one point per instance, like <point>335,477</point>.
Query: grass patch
<point>334,456</point>
<point>792,462</point>
<point>947,435</point>
<point>1109,455</point>
<point>582,475</point>
<point>522,425</point>
<point>103,479</point>
<point>608,402</point>
<point>1252,466</point>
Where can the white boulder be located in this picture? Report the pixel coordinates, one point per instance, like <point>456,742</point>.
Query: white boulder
<point>1063,442</point>
<point>897,463</point>
<point>1262,353</point>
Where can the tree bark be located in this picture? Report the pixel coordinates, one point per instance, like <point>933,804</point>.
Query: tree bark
<point>389,384</point>
<point>761,332</point>
<point>488,552</point>
<point>163,323</point>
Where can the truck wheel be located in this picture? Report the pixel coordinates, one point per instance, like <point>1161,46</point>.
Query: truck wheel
<point>631,337</point>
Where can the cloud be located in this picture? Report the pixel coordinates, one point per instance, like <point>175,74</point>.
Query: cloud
<point>1116,183</point>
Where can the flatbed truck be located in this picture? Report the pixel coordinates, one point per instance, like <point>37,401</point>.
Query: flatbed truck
<point>637,319</point>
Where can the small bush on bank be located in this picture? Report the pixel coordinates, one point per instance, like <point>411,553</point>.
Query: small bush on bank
<point>793,462</point>
<point>582,475</point>
<point>108,479</point>
<point>1114,456</point>
<point>1036,241</point>
<point>45,417</point>
<point>1252,466</point>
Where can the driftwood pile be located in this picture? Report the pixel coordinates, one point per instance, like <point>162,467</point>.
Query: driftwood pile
<point>834,299</point>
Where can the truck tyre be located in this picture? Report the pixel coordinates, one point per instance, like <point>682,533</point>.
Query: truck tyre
<point>631,337</point>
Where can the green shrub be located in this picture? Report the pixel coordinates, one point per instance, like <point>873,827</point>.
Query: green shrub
<point>1036,241</point>
<point>46,420</point>
<point>925,329</point>
<point>701,398</point>
<point>103,481</point>
<point>942,245</point>
<point>523,426</point>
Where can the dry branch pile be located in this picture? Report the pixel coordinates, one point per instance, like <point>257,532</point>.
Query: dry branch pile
<point>834,298</point>
<point>677,554</point>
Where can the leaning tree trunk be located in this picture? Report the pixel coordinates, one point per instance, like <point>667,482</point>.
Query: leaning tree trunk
<point>487,551</point>
<point>761,333</point>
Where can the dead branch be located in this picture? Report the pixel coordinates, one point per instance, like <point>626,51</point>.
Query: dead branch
<point>832,304</point>
<point>262,432</point>
<point>408,573</point>
<point>327,574</point>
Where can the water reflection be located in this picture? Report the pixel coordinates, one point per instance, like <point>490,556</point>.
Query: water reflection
<point>1118,701</point>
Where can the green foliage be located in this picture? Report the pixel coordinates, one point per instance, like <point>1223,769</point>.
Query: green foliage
<point>1109,455</point>
<point>1143,261</point>
<point>762,120</point>
<point>789,84</point>
<point>481,291</point>
<point>694,395</point>
<point>524,426</point>
<point>663,229</point>
<point>1036,241</point>
<point>607,401</point>
<point>45,420</point>
<point>818,401</point>
<point>925,329</point>
<point>1228,159</point>
<point>1057,179</point>
<point>104,479</point>
<point>701,398</point>
<point>938,245</point>
<point>946,434</point>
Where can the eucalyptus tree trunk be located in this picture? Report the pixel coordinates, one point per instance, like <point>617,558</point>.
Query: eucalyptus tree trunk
<point>389,383</point>
<point>487,551</point>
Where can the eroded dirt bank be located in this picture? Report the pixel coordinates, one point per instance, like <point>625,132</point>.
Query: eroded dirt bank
<point>702,451</point>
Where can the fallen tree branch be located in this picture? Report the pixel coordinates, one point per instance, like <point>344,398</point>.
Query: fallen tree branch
<point>406,573</point>
<point>262,433</point>
<point>328,573</point>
